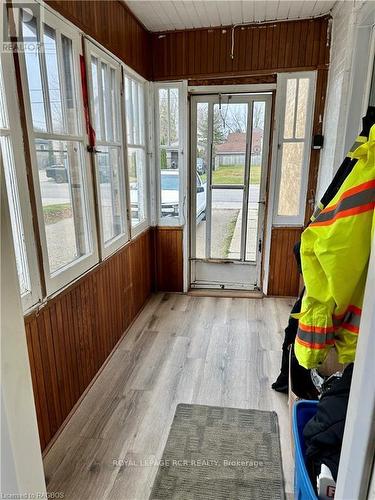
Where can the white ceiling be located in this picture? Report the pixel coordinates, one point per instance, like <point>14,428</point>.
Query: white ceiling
<point>163,15</point>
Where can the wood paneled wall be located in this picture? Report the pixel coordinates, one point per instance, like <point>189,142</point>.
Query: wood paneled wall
<point>260,49</point>
<point>169,259</point>
<point>70,338</point>
<point>113,25</point>
<point>284,276</point>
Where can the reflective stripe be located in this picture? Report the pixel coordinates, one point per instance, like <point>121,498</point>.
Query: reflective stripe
<point>355,146</point>
<point>315,337</point>
<point>317,211</point>
<point>358,142</point>
<point>312,344</point>
<point>316,329</point>
<point>352,308</point>
<point>350,320</point>
<point>354,201</point>
<point>350,327</point>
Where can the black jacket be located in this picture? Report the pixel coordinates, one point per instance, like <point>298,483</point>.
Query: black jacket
<point>324,432</point>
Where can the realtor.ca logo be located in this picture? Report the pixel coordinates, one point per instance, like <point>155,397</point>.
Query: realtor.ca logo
<point>21,26</point>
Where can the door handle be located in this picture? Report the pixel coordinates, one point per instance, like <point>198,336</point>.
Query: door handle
<point>92,149</point>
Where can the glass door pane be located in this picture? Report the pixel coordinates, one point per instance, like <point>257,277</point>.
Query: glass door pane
<point>226,223</point>
<point>229,143</point>
<point>256,157</point>
<point>201,165</point>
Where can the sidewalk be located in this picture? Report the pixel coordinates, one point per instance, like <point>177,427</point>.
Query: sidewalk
<point>235,246</point>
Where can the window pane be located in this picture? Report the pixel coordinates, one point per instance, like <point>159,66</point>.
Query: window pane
<point>136,166</point>
<point>229,143</point>
<point>169,151</point>
<point>129,110</point>
<point>3,111</point>
<point>173,116</point>
<point>15,216</point>
<point>259,111</point>
<point>110,191</point>
<point>168,116</point>
<point>290,183</point>
<point>201,179</point>
<point>303,92</point>
<point>136,132</point>
<point>107,98</point>
<point>70,104</point>
<point>169,180</point>
<point>290,105</point>
<point>226,224</point>
<point>96,96</point>
<point>163,116</point>
<point>53,79</point>
<point>114,110</point>
<point>141,113</point>
<point>34,78</point>
<point>62,186</point>
<point>135,117</point>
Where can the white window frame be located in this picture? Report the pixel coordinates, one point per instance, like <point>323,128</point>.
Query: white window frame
<point>141,226</point>
<point>370,70</point>
<point>182,92</point>
<point>93,49</point>
<point>67,274</point>
<point>282,79</point>
<point>14,133</point>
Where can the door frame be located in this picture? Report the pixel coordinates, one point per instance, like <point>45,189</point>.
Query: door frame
<point>253,93</point>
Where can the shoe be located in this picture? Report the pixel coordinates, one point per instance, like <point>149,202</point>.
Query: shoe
<point>281,384</point>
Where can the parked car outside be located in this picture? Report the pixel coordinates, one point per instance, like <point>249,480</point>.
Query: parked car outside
<point>59,173</point>
<point>169,181</point>
<point>201,166</point>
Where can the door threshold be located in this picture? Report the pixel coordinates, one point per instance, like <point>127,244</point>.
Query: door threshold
<point>239,294</point>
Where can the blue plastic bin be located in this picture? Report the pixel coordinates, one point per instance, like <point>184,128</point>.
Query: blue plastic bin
<point>302,412</point>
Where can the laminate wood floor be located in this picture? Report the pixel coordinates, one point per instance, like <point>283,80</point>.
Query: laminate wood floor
<point>181,349</point>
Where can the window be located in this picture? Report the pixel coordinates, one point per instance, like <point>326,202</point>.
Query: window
<point>136,145</point>
<point>60,162</point>
<point>105,107</point>
<point>16,186</point>
<point>170,147</point>
<point>296,92</point>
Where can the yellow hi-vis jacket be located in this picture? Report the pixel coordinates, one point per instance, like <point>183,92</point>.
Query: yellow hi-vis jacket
<point>335,250</point>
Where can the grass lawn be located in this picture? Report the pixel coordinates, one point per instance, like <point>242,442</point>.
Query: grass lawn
<point>56,212</point>
<point>233,174</point>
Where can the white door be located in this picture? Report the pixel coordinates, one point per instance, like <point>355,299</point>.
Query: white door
<point>229,153</point>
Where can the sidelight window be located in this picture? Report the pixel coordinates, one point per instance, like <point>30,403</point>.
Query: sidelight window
<point>296,97</point>
<point>169,142</point>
